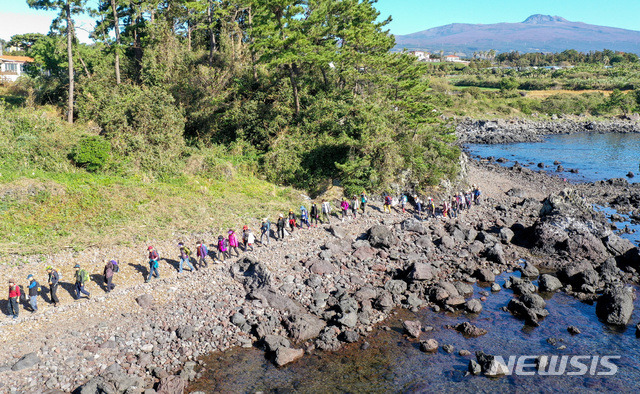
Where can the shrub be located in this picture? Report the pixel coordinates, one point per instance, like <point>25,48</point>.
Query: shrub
<point>91,153</point>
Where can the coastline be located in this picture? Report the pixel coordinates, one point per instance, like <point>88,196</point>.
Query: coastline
<point>502,131</point>
<point>325,288</point>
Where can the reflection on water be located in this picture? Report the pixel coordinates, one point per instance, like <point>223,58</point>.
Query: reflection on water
<point>394,363</point>
<point>595,156</point>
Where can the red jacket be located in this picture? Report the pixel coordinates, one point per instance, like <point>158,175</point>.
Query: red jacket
<point>14,291</point>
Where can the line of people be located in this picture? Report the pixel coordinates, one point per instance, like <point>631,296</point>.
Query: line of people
<point>225,246</point>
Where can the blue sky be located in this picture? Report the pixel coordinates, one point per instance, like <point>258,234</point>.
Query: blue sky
<point>409,16</point>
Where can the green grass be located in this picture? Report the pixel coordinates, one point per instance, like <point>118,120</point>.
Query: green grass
<point>47,204</point>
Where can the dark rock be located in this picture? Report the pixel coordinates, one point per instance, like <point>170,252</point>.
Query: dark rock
<point>274,342</point>
<point>549,283</point>
<point>185,332</point>
<point>533,301</point>
<point>27,361</point>
<point>302,327</point>
<point>322,267</point>
<point>414,225</point>
<point>350,336</point>
<point>430,345</point>
<point>384,302</point>
<point>396,286</point>
<point>113,380</point>
<point>573,330</point>
<point>421,271</point>
<point>285,355</point>
<point>474,367</point>
<point>505,235</point>
<point>473,305</point>
<point>463,288</point>
<point>519,309</point>
<point>337,232</point>
<point>412,327</point>
<point>615,306</point>
<point>365,253</point>
<point>469,330</point>
<point>485,275</point>
<point>529,270</point>
<point>381,237</point>
<point>252,274</point>
<point>490,365</point>
<point>172,385</point>
<point>448,348</point>
<point>145,301</point>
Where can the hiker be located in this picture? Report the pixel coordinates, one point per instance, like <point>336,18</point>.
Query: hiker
<point>14,295</point>
<point>82,277</point>
<point>110,269</point>
<point>387,203</point>
<point>467,198</point>
<point>326,212</point>
<point>34,289</point>
<point>345,208</point>
<point>153,263</point>
<point>314,214</point>
<point>363,201</point>
<point>292,220</point>
<point>54,279</point>
<point>280,224</point>
<point>355,204</point>
<point>454,207</point>
<point>185,257</point>
<point>476,195</point>
<point>304,217</point>
<point>418,203</point>
<point>223,254</point>
<point>403,202</point>
<point>202,252</point>
<point>432,207</point>
<point>247,238</point>
<point>265,229</point>
<point>233,243</point>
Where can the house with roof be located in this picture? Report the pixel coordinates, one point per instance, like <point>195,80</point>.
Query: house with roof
<point>12,67</point>
<point>452,58</point>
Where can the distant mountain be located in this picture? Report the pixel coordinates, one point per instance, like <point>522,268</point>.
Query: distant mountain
<point>538,33</point>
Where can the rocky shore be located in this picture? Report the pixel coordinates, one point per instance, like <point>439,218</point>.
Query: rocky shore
<point>501,131</point>
<point>324,287</point>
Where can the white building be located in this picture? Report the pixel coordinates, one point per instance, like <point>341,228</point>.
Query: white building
<point>11,67</point>
<point>452,58</point>
<point>422,56</point>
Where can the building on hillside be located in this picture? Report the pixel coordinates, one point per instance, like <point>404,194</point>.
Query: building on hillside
<point>12,67</point>
<point>422,56</point>
<point>452,58</point>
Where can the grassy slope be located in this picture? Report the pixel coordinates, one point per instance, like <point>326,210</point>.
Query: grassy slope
<point>47,204</point>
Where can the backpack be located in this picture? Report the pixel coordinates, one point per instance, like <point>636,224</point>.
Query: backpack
<point>363,199</point>
<point>84,276</point>
<point>187,251</point>
<point>116,268</point>
<point>226,243</point>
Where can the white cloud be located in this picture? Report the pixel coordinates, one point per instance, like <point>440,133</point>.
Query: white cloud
<point>19,23</point>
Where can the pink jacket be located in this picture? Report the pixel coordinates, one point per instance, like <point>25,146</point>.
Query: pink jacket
<point>233,241</point>
<point>344,205</point>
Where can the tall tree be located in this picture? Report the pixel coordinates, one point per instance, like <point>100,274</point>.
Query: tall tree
<point>66,9</point>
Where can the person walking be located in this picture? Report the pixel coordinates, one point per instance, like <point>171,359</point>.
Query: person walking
<point>292,220</point>
<point>418,203</point>
<point>153,264</point>
<point>14,296</point>
<point>223,254</point>
<point>431,205</point>
<point>314,214</point>
<point>201,253</point>
<point>363,202</point>
<point>265,229</point>
<point>355,204</point>
<point>34,289</point>
<point>82,277</point>
<point>304,217</point>
<point>185,257</point>
<point>109,271</point>
<point>476,195</point>
<point>280,224</point>
<point>345,208</point>
<point>233,243</point>
<point>326,212</point>
<point>403,202</point>
<point>54,279</point>
<point>247,238</point>
<point>387,203</point>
